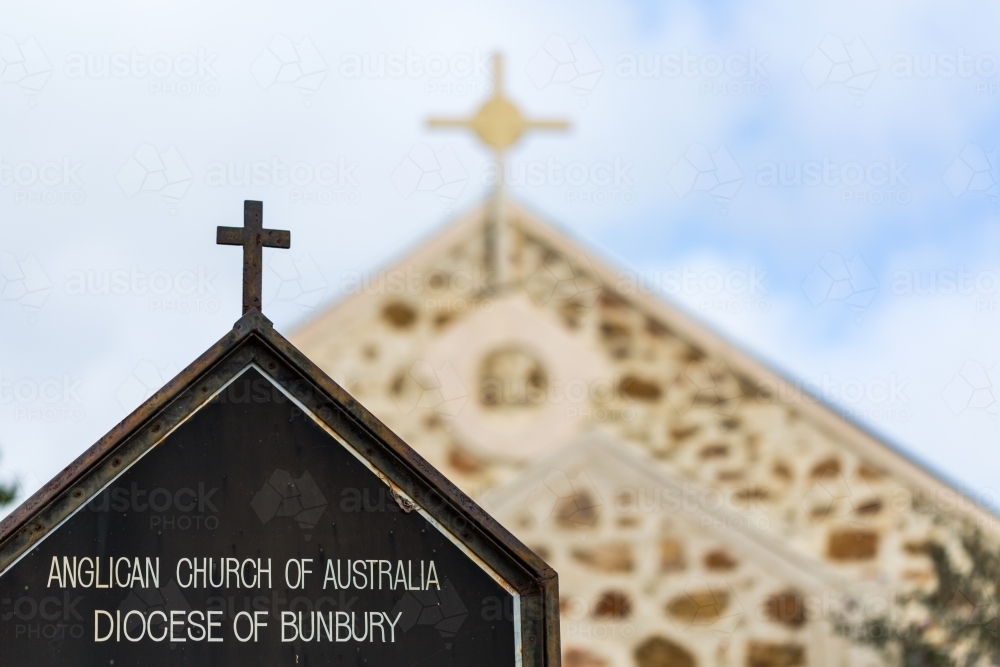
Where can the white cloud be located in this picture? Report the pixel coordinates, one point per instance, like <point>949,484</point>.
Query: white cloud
<point>650,122</point>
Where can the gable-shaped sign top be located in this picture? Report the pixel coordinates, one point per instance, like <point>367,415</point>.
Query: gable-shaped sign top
<point>253,513</point>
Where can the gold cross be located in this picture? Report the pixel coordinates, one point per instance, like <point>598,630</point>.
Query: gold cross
<point>499,125</point>
<point>498,122</point>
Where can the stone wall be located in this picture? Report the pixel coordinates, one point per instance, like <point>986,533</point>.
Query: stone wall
<point>742,443</point>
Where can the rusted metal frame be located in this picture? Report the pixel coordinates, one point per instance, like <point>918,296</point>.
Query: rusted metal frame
<point>147,425</point>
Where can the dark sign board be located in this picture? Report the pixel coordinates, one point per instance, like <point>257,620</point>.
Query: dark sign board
<point>253,513</point>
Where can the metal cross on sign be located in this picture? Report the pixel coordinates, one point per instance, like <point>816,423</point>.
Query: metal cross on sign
<point>254,238</point>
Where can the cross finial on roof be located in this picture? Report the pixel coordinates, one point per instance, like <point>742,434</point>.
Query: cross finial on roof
<point>499,125</point>
<point>498,122</point>
<point>254,238</point>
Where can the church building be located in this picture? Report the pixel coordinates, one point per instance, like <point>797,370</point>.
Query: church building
<point>699,509</point>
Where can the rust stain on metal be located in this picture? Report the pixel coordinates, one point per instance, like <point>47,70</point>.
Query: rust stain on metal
<point>404,503</point>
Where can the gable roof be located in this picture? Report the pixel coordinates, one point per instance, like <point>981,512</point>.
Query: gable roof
<point>812,409</point>
<point>620,527</point>
<point>412,481</point>
<point>601,456</point>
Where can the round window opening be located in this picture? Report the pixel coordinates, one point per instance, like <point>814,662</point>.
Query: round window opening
<point>512,378</point>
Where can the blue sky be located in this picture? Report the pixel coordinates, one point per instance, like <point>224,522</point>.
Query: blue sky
<point>888,112</point>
